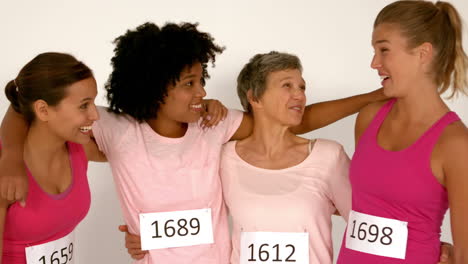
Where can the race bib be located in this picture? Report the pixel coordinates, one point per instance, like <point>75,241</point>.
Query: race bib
<point>377,235</point>
<point>59,251</point>
<point>176,229</point>
<point>274,247</point>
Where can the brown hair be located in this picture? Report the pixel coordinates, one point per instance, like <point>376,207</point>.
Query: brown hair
<point>45,77</point>
<point>439,24</point>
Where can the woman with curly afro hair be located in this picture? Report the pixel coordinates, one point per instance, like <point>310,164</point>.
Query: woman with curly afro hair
<point>163,160</point>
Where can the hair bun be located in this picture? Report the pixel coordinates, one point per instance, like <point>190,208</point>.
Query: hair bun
<point>11,92</point>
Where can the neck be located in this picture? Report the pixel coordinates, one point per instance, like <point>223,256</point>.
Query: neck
<point>42,145</point>
<point>168,127</point>
<point>270,137</point>
<point>421,104</point>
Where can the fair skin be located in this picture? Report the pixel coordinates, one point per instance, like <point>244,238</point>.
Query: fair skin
<point>272,145</point>
<point>418,107</point>
<point>45,151</point>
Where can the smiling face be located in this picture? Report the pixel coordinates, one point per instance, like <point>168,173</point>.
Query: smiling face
<point>72,118</point>
<point>284,97</point>
<point>399,67</point>
<point>184,100</point>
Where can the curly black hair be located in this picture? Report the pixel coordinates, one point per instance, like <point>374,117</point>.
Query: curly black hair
<point>150,58</point>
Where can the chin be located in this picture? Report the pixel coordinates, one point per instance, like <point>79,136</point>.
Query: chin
<point>82,139</point>
<point>187,120</point>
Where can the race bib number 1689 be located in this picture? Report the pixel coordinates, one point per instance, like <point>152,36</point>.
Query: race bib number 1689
<point>176,229</point>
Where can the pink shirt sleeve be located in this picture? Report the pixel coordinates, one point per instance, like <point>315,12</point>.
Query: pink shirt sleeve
<point>340,187</point>
<point>109,129</point>
<point>229,126</point>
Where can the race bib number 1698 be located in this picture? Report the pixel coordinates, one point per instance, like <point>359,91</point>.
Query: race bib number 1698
<point>377,235</point>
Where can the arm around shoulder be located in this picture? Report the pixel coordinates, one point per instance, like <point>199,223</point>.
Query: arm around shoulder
<point>322,114</point>
<point>245,128</point>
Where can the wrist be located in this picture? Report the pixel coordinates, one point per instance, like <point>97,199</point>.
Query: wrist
<point>12,156</point>
<point>377,95</point>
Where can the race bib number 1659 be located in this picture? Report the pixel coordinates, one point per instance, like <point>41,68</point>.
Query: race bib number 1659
<point>59,251</point>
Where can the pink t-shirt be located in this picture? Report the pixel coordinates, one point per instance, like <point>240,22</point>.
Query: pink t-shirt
<point>47,217</point>
<point>301,198</point>
<point>159,174</point>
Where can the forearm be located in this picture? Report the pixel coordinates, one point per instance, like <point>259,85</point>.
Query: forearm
<point>322,114</point>
<point>460,255</point>
<point>3,210</point>
<point>13,133</point>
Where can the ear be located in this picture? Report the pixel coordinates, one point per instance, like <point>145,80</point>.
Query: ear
<point>41,110</point>
<point>426,53</point>
<point>254,103</point>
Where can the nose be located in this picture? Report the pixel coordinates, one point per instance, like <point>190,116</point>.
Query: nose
<point>375,63</point>
<point>200,92</point>
<point>299,94</point>
<point>93,113</point>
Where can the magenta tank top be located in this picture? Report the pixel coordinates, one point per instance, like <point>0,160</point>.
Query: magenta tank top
<point>47,217</point>
<point>399,185</point>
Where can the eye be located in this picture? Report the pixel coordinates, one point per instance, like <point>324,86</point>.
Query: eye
<point>189,83</point>
<point>84,106</point>
<point>303,88</point>
<point>287,85</point>
<point>383,50</point>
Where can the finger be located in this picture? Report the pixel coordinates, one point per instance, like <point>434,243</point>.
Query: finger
<point>138,256</point>
<point>4,191</point>
<point>214,114</point>
<point>204,116</point>
<point>206,120</point>
<point>132,241</point>
<point>445,252</point>
<point>225,112</point>
<point>20,194</point>
<point>133,251</point>
<point>22,203</point>
<point>11,193</point>
<point>123,228</point>
<point>217,118</point>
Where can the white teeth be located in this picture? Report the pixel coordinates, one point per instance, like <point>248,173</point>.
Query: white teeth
<point>85,128</point>
<point>196,106</point>
<point>296,108</point>
<point>383,77</point>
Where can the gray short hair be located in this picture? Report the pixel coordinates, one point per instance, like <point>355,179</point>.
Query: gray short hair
<point>254,74</point>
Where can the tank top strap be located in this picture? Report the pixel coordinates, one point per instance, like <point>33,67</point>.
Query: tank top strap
<point>77,152</point>
<point>431,136</point>
<point>379,118</point>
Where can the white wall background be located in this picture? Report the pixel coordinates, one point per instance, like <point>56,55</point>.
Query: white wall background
<point>332,38</point>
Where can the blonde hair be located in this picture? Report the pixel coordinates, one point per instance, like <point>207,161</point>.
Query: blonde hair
<point>439,24</point>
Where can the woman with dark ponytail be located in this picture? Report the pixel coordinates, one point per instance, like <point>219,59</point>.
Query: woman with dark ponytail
<point>410,163</point>
<point>55,94</point>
